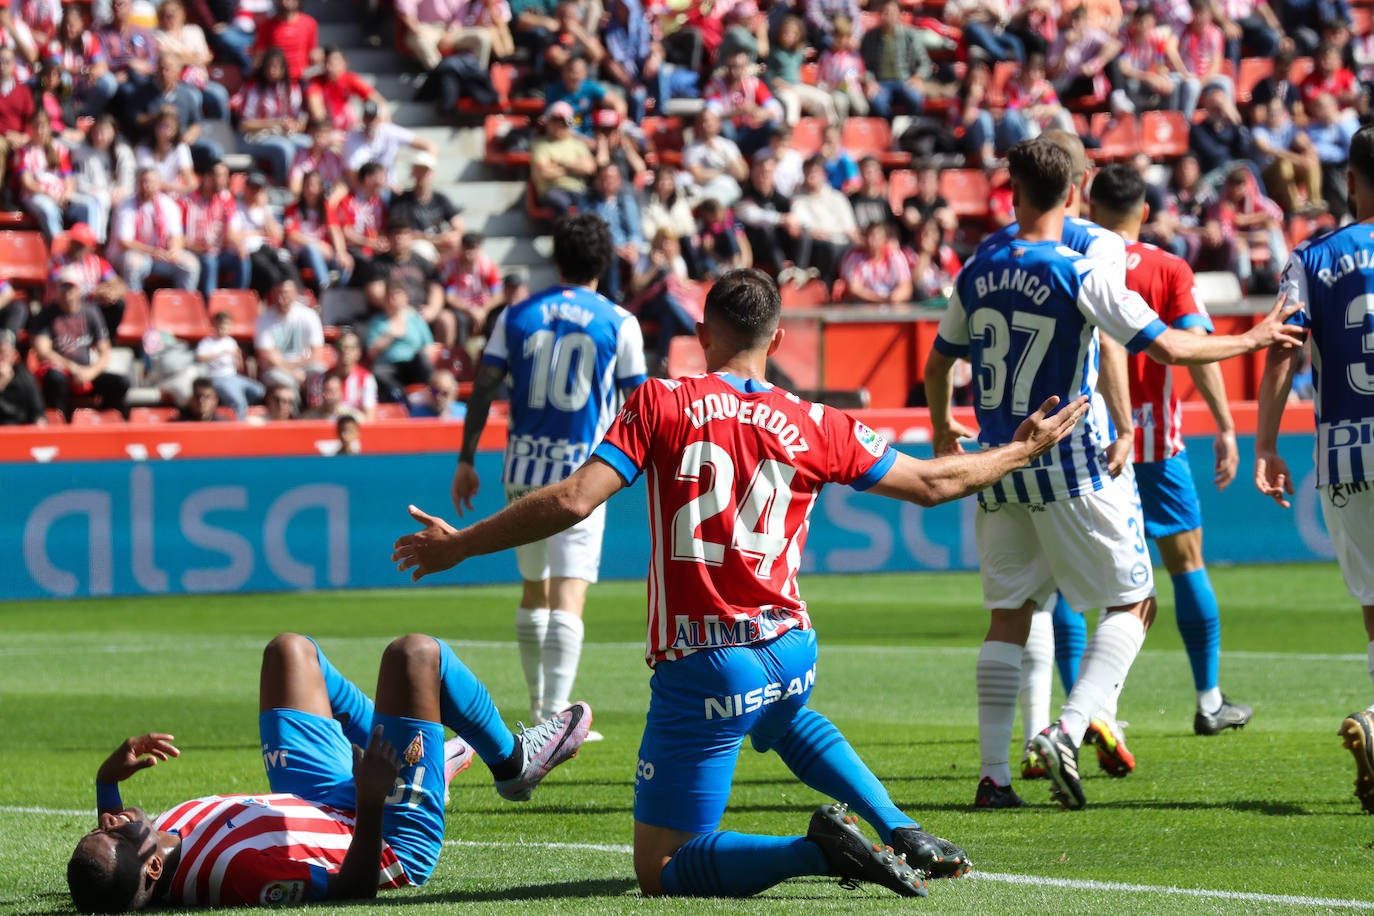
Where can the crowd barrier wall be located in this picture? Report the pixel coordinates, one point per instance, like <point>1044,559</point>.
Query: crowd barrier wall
<point>275,523</point>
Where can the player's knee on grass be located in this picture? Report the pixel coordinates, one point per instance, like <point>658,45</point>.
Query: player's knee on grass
<point>408,679</point>
<point>653,849</point>
<point>288,651</point>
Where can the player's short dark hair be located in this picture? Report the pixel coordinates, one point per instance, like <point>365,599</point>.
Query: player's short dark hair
<point>1362,154</point>
<point>1118,188</point>
<point>582,248</point>
<point>95,888</point>
<point>367,170</point>
<point>746,304</point>
<point>1041,171</point>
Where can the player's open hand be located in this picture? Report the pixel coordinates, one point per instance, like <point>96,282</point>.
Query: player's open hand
<point>431,549</point>
<point>134,754</point>
<point>946,441</point>
<point>1273,329</point>
<point>1227,459</point>
<point>1272,477</point>
<point>465,485</point>
<point>1043,430</point>
<point>375,769</point>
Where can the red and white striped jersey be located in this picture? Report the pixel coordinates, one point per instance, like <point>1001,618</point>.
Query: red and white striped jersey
<point>262,849</point>
<point>882,274</point>
<point>733,469</point>
<point>1166,284</point>
<point>49,168</point>
<point>90,270</point>
<point>210,220</point>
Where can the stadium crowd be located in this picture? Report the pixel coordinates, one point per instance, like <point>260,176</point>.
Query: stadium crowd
<point>853,151</point>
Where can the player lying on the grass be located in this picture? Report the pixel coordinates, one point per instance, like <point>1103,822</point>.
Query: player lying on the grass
<point>1027,314</point>
<point>340,822</point>
<point>1338,310</point>
<point>734,466</point>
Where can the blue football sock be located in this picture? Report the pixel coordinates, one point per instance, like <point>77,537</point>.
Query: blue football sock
<point>347,703</point>
<point>1199,623</point>
<point>728,864</point>
<point>1070,639</point>
<point>466,707</point>
<point>816,752</point>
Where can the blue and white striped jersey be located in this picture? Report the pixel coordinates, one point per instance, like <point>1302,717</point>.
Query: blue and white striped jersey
<point>1082,235</point>
<point>1333,278</point>
<point>1026,316</point>
<point>568,353</point>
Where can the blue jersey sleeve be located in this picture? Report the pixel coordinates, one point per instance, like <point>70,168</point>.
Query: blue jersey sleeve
<point>877,472</point>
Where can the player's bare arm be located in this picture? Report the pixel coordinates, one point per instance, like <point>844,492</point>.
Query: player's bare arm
<point>543,513</point>
<point>1212,387</point>
<point>945,432</point>
<point>465,482</point>
<point>938,480</point>
<point>1180,348</point>
<point>1272,477</point>
<point>1115,389</point>
<point>374,772</point>
<point>133,754</point>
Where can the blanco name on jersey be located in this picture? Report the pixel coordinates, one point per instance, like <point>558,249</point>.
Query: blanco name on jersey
<point>728,407</point>
<point>1019,281</point>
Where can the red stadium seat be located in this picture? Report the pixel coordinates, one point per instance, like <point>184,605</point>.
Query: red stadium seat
<point>497,126</point>
<point>1119,136</point>
<point>873,137</point>
<point>228,76</point>
<point>536,211</point>
<point>1300,69</point>
<point>55,417</point>
<point>685,357</point>
<point>392,412</point>
<point>134,323</point>
<point>1003,72</point>
<point>967,192</point>
<point>807,136</point>
<point>1252,71</point>
<point>243,306</point>
<point>1163,134</point>
<point>665,139</point>
<point>87,416</point>
<point>154,414</point>
<point>24,259</point>
<point>811,296</point>
<point>181,313</point>
<point>810,74</point>
<point>901,184</point>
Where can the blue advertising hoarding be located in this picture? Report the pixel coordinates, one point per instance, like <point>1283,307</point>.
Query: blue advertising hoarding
<point>273,524</point>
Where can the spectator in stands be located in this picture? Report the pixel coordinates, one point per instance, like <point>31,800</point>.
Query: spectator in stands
<point>350,434</point>
<point>261,236</point>
<point>222,361</point>
<point>1250,221</point>
<point>790,161</point>
<point>21,403</point>
<point>877,272</point>
<point>570,39</point>
<point>282,402</point>
<point>435,217</point>
<point>581,94</point>
<point>934,264</point>
<point>296,34</point>
<point>269,110</point>
<point>610,200</point>
<point>16,111</point>
<point>100,285</point>
<point>164,91</point>
<point>1202,47</point>
<point>560,162</point>
<point>1220,138</point>
<point>396,342</point>
<point>827,218</point>
<point>16,35</point>
<point>359,384</point>
<point>823,18</point>
<point>1330,77</point>
<point>440,399</point>
<point>656,292</point>
<point>82,58</point>
<point>533,29</point>
<point>43,170</point>
<point>1251,28</point>
<point>288,339</point>
<point>52,93</point>
<point>1161,219</point>
<point>635,61</point>
<point>1079,57</point>
<point>748,112</point>
<point>483,31</point>
<point>320,157</point>
<point>984,135</point>
<point>381,141</point>
<point>840,168</point>
<point>786,54</point>
<point>1187,207</point>
<point>130,50</point>
<point>775,233</point>
<point>400,266</point>
<point>983,23</point>
<point>166,154</point>
<point>1304,21</point>
<point>331,404</point>
<point>228,26</point>
<point>314,238</point>
<point>842,73</point>
<point>1330,131</point>
<point>613,146</point>
<point>214,231</point>
<point>176,36</point>
<point>927,204</point>
<point>720,243</point>
<point>714,162</point>
<point>14,311</point>
<point>148,239</point>
<point>1152,74</point>
<point>472,287</point>
<point>203,407</point>
<point>869,201</point>
<point>104,171</point>
<point>41,16</point>
<point>425,24</point>
<point>896,62</point>
<point>362,215</point>
<point>330,95</point>
<point>1287,160</point>
<point>73,349</point>
<point>663,206</point>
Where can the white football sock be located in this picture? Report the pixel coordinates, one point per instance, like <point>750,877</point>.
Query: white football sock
<point>1037,676</point>
<point>1209,701</point>
<point>999,678</point>
<point>562,650</point>
<point>1111,650</point>
<point>531,625</point>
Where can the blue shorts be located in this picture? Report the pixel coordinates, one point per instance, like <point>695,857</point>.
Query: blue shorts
<point>701,708</point>
<point>1168,496</point>
<point>308,755</point>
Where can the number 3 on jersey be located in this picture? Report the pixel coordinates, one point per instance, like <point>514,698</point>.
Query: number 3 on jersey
<point>759,519</point>
<point>991,326</point>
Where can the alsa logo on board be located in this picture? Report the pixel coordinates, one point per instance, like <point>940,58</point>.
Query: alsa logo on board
<point>219,541</point>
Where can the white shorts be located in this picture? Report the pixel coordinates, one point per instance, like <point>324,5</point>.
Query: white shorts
<point>1349,516</point>
<point>571,554</point>
<point>1092,548</point>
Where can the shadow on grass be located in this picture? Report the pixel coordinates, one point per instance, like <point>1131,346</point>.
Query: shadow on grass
<point>1267,808</point>
<point>595,887</point>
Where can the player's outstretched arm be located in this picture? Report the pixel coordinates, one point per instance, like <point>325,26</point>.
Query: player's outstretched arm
<point>374,772</point>
<point>543,513</point>
<point>938,480</point>
<point>1272,477</point>
<point>1180,348</point>
<point>133,754</point>
<point>465,482</point>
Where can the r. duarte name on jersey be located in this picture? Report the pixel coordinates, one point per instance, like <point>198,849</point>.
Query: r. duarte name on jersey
<point>726,406</point>
<point>1014,279</point>
<point>737,704</point>
<point>1347,263</point>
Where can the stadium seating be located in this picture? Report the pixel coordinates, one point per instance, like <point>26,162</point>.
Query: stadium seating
<point>1163,134</point>
<point>1252,71</point>
<point>665,139</point>
<point>1119,136</point>
<point>873,137</point>
<point>807,135</point>
<point>966,191</point>
<point>812,295</point>
<point>181,313</point>
<point>901,184</point>
<point>242,305</point>
<point>134,323</point>
<point>497,127</point>
<point>392,412</point>
<point>24,259</point>
<point>157,414</point>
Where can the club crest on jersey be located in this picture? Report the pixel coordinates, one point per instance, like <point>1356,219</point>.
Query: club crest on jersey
<point>871,441</point>
<point>415,751</point>
<point>282,893</point>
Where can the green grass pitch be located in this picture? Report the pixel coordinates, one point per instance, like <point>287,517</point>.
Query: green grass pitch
<point>1262,820</point>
